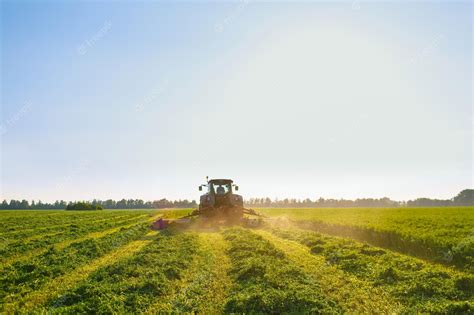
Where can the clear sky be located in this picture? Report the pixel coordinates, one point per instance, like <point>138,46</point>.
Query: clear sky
<point>290,99</point>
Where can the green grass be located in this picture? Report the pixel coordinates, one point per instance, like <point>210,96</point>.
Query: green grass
<point>444,235</point>
<point>136,283</point>
<point>23,277</point>
<point>32,220</point>
<point>18,244</point>
<point>419,286</point>
<point>358,261</point>
<point>266,281</point>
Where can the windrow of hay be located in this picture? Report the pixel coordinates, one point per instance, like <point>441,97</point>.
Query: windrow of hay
<point>417,285</point>
<point>63,244</point>
<point>350,293</point>
<point>65,227</point>
<point>78,221</point>
<point>136,283</point>
<point>439,234</point>
<point>42,223</point>
<point>59,246</point>
<point>266,281</point>
<point>67,281</point>
<point>205,284</point>
<point>39,271</point>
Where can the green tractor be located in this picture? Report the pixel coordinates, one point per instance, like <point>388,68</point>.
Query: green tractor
<point>218,205</point>
<point>220,202</point>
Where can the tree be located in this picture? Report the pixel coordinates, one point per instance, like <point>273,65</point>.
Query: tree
<point>464,198</point>
<point>24,204</point>
<point>82,205</point>
<point>4,205</point>
<point>122,204</point>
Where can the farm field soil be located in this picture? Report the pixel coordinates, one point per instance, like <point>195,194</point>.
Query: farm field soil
<point>111,262</point>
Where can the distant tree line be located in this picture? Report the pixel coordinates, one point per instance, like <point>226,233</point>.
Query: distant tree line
<point>105,204</point>
<point>464,198</point>
<point>83,205</point>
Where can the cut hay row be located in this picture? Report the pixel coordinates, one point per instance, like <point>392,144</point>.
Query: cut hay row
<point>65,282</point>
<point>101,234</point>
<point>417,285</point>
<point>443,235</point>
<point>219,284</point>
<point>38,272</point>
<point>134,284</point>
<point>460,255</point>
<point>351,294</point>
<point>204,285</point>
<point>42,225</point>
<point>6,261</point>
<point>266,281</point>
<point>45,227</point>
<point>38,218</point>
<point>11,217</point>
<point>93,235</point>
<point>59,246</point>
<point>121,267</point>
<point>39,236</point>
<point>186,272</point>
<point>76,227</point>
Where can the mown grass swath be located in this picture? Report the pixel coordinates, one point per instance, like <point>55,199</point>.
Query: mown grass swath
<point>132,284</point>
<point>23,277</point>
<point>28,220</point>
<point>266,282</point>
<point>73,231</point>
<point>41,230</point>
<point>354,295</point>
<point>205,284</point>
<point>418,285</point>
<point>110,262</point>
<point>444,235</point>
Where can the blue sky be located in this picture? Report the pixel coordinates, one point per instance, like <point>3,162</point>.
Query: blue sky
<point>307,99</point>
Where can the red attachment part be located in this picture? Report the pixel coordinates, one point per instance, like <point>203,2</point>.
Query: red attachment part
<point>160,224</point>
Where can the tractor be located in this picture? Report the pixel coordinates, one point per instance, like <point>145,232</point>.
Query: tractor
<point>218,205</point>
<point>220,202</point>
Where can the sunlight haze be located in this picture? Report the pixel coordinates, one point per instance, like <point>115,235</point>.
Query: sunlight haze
<point>301,100</point>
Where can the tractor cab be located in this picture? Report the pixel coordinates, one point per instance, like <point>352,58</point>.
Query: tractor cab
<point>219,193</point>
<point>220,186</point>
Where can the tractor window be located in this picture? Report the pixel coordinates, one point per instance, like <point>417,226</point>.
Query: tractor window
<point>220,189</point>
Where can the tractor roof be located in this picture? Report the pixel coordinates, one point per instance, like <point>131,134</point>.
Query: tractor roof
<point>221,181</point>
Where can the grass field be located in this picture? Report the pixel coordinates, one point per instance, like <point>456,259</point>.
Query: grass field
<point>444,235</point>
<point>302,261</point>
